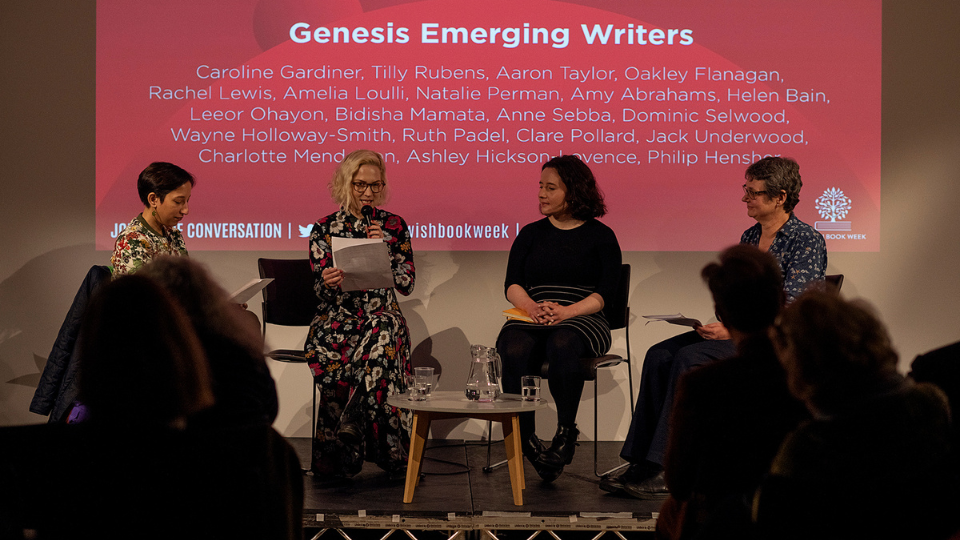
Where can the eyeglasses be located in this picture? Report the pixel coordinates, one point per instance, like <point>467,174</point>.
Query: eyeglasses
<point>361,187</point>
<point>751,194</point>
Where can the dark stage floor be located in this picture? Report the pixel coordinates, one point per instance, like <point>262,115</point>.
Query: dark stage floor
<point>456,494</point>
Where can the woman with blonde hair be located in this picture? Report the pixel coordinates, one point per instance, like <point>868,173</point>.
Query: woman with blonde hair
<point>359,346</point>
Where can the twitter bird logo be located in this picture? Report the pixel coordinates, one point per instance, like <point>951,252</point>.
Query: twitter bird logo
<point>305,230</point>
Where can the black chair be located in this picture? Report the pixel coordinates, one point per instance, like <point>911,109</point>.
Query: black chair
<point>617,311</point>
<point>834,282</point>
<point>289,300</point>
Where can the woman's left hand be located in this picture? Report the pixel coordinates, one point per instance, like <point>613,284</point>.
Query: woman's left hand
<point>552,313</point>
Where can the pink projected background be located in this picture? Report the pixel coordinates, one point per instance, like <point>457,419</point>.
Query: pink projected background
<point>261,99</point>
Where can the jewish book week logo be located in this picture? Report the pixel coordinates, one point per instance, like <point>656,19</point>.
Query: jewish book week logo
<point>833,205</point>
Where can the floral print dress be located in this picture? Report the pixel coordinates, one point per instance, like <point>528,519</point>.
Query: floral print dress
<point>138,244</point>
<point>359,341</point>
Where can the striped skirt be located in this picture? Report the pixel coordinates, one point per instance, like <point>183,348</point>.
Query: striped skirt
<point>593,328</point>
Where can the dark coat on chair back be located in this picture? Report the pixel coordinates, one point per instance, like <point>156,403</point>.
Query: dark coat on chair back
<point>58,384</point>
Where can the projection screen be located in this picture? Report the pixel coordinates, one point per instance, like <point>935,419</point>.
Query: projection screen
<point>668,102</point>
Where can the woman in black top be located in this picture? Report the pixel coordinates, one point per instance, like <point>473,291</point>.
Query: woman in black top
<point>561,271</point>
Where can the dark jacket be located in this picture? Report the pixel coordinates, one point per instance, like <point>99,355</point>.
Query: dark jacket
<point>58,384</point>
<point>877,469</point>
<point>728,421</point>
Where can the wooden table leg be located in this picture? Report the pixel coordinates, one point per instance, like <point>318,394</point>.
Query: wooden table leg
<point>418,440</point>
<point>511,439</point>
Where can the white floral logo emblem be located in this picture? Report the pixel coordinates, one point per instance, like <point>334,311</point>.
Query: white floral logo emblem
<point>833,206</point>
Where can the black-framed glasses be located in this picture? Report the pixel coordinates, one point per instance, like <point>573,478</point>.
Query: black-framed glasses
<point>751,194</point>
<point>361,187</point>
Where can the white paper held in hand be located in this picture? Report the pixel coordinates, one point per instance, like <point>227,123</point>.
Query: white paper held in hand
<point>678,319</point>
<point>365,263</point>
<point>248,291</point>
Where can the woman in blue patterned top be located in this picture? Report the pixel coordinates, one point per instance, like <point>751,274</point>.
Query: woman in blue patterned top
<point>771,192</point>
<point>561,271</point>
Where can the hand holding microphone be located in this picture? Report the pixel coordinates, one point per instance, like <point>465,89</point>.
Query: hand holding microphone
<point>373,228</point>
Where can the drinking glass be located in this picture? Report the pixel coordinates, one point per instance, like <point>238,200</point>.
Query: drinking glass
<point>428,375</point>
<point>530,388</point>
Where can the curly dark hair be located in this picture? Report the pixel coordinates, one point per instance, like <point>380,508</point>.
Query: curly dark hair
<point>584,198</point>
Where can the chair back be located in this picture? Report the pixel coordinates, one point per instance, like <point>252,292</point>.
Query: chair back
<point>834,282</point>
<point>617,309</point>
<point>289,300</point>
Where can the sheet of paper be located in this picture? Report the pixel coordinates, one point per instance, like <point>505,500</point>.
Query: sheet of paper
<point>365,263</point>
<point>248,291</point>
<point>674,319</point>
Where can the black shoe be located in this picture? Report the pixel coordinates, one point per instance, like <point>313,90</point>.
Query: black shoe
<point>551,462</point>
<point>564,445</point>
<point>614,481</point>
<point>397,471</point>
<point>651,489</point>
<point>349,433</point>
<point>532,447</point>
<point>350,430</point>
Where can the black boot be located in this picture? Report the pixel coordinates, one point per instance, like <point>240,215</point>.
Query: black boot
<point>532,447</point>
<point>350,430</point>
<point>530,444</point>
<point>551,462</point>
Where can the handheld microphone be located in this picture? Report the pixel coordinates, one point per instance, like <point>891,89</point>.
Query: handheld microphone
<point>367,212</point>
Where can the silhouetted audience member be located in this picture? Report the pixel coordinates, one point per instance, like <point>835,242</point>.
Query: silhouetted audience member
<point>729,417</point>
<point>942,368</point>
<point>244,389</point>
<point>141,378</point>
<point>135,469</point>
<point>873,462</point>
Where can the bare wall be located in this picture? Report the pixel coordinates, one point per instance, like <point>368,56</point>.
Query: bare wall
<point>46,238</point>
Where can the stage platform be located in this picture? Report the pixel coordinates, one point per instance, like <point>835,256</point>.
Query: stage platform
<point>456,497</point>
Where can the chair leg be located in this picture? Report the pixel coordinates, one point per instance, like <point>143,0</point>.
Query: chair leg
<point>596,437</point>
<point>313,421</point>
<point>489,467</point>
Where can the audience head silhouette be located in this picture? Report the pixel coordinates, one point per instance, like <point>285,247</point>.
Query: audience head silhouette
<point>747,288</point>
<point>835,352</point>
<point>206,303</point>
<point>140,361</point>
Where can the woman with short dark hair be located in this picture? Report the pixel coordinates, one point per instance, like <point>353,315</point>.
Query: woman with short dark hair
<point>164,189</point>
<point>561,271</point>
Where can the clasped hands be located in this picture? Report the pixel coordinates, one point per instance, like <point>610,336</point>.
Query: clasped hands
<point>550,313</point>
<point>333,277</point>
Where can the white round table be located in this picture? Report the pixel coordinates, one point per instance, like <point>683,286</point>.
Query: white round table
<point>452,404</point>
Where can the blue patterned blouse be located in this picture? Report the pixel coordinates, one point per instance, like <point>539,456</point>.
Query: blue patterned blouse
<point>800,250</point>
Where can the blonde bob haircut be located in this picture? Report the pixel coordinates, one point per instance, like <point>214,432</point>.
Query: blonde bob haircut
<point>341,188</point>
